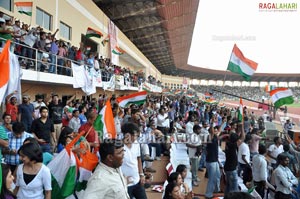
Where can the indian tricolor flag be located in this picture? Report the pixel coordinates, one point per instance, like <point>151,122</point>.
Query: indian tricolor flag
<point>90,32</point>
<point>24,8</point>
<point>268,88</point>
<point>281,96</point>
<point>104,41</point>
<point>146,87</point>
<point>4,70</point>
<point>104,124</point>
<point>190,95</point>
<point>210,101</point>
<point>118,51</point>
<point>135,98</point>
<point>241,65</point>
<point>240,111</point>
<point>63,170</point>
<point>178,92</point>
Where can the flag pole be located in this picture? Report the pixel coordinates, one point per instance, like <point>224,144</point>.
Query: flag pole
<point>226,72</point>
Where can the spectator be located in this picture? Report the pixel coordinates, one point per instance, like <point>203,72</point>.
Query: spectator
<point>274,150</point>
<point>7,181</point>
<point>33,177</point>
<point>11,106</point>
<point>7,122</point>
<point>132,167</point>
<point>15,141</point>
<point>284,178</point>
<point>43,130</point>
<point>26,113</point>
<point>260,170</point>
<point>108,181</point>
<point>90,133</point>
<point>65,137</point>
<point>75,121</point>
<point>3,140</point>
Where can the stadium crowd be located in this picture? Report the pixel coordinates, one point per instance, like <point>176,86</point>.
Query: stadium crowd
<point>253,93</point>
<point>33,132</point>
<point>56,56</point>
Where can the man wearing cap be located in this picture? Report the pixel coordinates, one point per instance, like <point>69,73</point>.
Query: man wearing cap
<point>26,113</point>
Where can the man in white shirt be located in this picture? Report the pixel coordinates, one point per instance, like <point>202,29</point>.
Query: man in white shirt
<point>108,182</point>
<point>274,150</point>
<point>259,170</point>
<point>189,126</point>
<point>204,134</point>
<point>284,178</point>
<point>193,144</point>
<point>37,105</point>
<point>75,121</point>
<point>117,120</point>
<point>288,126</point>
<point>163,121</point>
<point>244,157</point>
<point>132,164</point>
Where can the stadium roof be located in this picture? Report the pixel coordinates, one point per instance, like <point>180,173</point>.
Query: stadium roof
<point>163,30</point>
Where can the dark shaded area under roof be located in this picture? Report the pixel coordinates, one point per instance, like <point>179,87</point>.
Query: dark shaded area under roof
<point>162,30</point>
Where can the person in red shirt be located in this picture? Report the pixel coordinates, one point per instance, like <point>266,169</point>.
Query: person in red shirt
<point>11,106</point>
<point>90,133</point>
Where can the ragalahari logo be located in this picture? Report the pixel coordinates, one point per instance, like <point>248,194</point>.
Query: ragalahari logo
<point>277,7</point>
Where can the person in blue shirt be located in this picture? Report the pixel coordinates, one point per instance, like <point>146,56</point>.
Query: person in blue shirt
<point>82,117</point>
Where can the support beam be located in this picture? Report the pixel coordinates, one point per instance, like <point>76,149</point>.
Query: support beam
<point>157,23</point>
<point>156,50</point>
<point>149,36</point>
<point>152,43</point>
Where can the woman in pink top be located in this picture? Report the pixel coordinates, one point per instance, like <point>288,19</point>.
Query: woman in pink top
<point>60,59</point>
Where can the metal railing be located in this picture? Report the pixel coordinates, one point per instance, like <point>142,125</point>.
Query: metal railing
<point>34,59</point>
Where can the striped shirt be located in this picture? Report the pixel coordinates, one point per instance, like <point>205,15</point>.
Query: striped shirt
<point>3,136</point>
<point>14,143</point>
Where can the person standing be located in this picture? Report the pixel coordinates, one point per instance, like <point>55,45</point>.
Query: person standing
<point>193,144</point>
<point>75,121</point>
<point>26,113</point>
<point>274,150</point>
<point>284,178</point>
<point>107,181</point>
<point>212,163</point>
<point>231,163</point>
<point>33,177</point>
<point>43,130</point>
<point>15,141</point>
<point>11,106</point>
<point>90,133</point>
<point>260,170</point>
<point>55,113</point>
<point>132,164</point>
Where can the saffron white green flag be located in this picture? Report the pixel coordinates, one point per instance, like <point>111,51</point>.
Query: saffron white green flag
<point>63,171</point>
<point>240,111</point>
<point>281,96</point>
<point>10,73</point>
<point>90,32</point>
<point>135,98</point>
<point>241,65</point>
<point>104,124</point>
<point>24,8</point>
